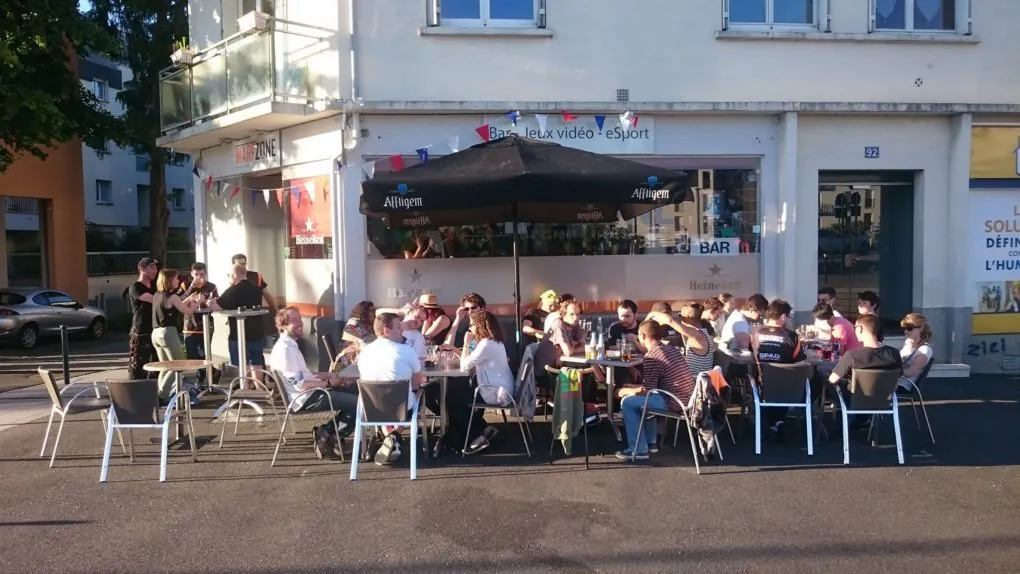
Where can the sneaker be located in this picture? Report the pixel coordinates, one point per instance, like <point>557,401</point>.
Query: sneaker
<point>591,414</point>
<point>626,455</point>
<point>389,452</point>
<point>193,393</point>
<point>653,448</point>
<point>478,445</point>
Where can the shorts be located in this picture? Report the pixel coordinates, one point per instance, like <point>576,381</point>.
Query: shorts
<point>255,349</point>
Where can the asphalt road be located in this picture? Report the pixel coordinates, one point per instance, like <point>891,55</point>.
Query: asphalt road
<point>953,507</point>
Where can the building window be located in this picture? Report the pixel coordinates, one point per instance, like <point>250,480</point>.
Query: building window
<point>105,148</point>
<point>769,13</point>
<point>104,191</point>
<point>178,159</point>
<point>142,162</point>
<point>916,15</point>
<point>265,6</point>
<point>99,90</point>
<point>489,13</point>
<point>177,199</point>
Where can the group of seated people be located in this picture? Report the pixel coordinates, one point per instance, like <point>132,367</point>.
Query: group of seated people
<point>675,347</point>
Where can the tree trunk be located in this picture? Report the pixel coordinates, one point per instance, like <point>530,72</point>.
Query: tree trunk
<point>159,207</point>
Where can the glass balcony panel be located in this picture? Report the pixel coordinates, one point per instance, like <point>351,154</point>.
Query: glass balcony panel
<point>307,63</point>
<point>249,70</point>
<point>209,86</point>
<point>175,99</point>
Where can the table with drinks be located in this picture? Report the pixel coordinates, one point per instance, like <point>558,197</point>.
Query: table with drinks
<point>596,354</point>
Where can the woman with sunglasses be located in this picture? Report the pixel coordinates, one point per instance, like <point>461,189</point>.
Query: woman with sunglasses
<point>917,351</point>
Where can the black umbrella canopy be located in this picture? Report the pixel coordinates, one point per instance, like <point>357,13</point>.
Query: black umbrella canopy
<point>531,179</point>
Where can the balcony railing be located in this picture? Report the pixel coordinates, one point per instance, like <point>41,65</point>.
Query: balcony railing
<point>287,62</point>
<point>23,205</point>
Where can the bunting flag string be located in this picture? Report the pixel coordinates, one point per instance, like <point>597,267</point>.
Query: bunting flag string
<point>423,154</point>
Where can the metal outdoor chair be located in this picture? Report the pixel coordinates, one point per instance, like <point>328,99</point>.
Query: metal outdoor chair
<point>557,399</point>
<point>290,416</point>
<point>135,405</point>
<point>872,392</point>
<point>914,393</point>
<point>683,416</point>
<point>384,404</point>
<point>238,393</point>
<point>514,407</point>
<point>787,386</point>
<point>77,404</point>
<point>329,344</point>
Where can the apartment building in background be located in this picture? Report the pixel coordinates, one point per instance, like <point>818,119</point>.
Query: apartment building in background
<point>830,143</point>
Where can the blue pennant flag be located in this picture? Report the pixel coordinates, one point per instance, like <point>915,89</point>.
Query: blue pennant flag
<point>513,117</point>
<point>423,154</point>
<point>194,170</point>
<point>254,197</point>
<point>600,121</point>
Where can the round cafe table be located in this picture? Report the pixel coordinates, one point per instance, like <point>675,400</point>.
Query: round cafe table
<point>178,367</point>
<point>242,346</point>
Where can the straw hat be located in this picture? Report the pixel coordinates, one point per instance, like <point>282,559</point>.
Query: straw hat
<point>429,300</point>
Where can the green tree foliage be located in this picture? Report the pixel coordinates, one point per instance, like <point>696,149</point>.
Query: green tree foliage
<point>42,102</point>
<point>149,29</point>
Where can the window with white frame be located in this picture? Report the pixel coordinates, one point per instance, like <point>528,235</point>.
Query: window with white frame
<point>919,15</point>
<point>489,13</point>
<point>104,191</point>
<point>99,90</point>
<point>177,199</point>
<point>770,13</point>
<point>267,7</point>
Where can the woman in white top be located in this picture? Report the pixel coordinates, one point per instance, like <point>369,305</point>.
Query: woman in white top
<point>485,355</point>
<point>916,352</point>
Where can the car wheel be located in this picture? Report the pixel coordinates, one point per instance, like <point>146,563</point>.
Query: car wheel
<point>29,336</point>
<point>97,329</point>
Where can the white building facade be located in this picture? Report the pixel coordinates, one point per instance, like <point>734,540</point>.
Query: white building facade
<point>828,145</point>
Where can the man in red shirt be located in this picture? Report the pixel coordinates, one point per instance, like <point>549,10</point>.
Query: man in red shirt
<point>664,368</point>
<point>842,330</point>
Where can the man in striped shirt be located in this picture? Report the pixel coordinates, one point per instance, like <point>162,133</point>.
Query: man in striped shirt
<point>664,368</point>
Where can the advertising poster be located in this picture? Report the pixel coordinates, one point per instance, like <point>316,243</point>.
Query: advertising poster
<point>995,260</point>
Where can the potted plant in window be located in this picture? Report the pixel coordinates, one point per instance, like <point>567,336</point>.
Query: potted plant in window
<point>253,21</point>
<point>183,55</point>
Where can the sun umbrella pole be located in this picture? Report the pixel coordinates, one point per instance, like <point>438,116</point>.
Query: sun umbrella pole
<point>517,287</point>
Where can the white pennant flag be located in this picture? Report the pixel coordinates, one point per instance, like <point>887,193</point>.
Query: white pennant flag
<point>627,120</point>
<point>542,119</point>
<point>310,188</point>
<point>266,193</point>
<point>369,169</point>
<point>224,189</point>
<point>454,144</point>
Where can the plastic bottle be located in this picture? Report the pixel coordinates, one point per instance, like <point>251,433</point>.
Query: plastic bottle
<point>600,348</point>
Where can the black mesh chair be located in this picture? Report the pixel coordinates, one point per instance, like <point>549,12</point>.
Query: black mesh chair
<point>785,387</point>
<point>385,404</point>
<point>872,392</point>
<point>85,400</point>
<point>135,405</point>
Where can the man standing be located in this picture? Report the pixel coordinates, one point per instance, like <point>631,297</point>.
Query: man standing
<point>140,349</point>
<point>194,333</point>
<point>243,293</point>
<point>389,359</point>
<point>257,280</point>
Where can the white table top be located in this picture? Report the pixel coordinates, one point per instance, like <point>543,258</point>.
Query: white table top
<point>177,365</point>
<point>454,370</point>
<point>579,360</point>
<point>235,314</point>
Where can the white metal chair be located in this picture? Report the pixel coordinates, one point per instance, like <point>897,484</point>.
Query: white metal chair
<point>135,405</point>
<point>913,394</point>
<point>291,416</point>
<point>384,404</point>
<point>514,407</point>
<point>684,415</point>
<point>75,405</point>
<point>238,393</point>
<point>786,387</point>
<point>872,392</point>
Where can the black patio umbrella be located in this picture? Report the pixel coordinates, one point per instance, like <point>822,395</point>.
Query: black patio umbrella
<point>514,179</point>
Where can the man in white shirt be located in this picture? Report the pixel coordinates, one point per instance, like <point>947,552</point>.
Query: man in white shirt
<point>287,360</point>
<point>388,358</point>
<point>413,322</point>
<point>826,295</point>
<point>736,333</point>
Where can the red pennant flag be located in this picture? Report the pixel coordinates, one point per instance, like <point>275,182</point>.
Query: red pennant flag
<point>237,190</point>
<point>208,184</point>
<point>633,122</point>
<point>483,132</point>
<point>396,162</point>
<point>279,195</point>
<point>568,117</point>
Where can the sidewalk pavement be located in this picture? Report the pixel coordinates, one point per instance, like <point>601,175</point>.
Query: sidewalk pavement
<point>27,404</point>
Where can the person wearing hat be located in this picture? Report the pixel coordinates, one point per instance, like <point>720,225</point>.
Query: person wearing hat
<point>140,349</point>
<point>437,322</point>
<point>533,322</point>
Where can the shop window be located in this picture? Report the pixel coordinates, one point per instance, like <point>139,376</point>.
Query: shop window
<point>309,222</point>
<point>722,220</point>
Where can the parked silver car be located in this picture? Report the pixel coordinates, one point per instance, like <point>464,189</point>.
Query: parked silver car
<point>28,314</point>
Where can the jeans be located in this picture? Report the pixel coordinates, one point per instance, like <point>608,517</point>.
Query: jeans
<point>256,350</point>
<point>631,408</point>
<point>168,347</point>
<point>344,400</point>
<point>459,395</point>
